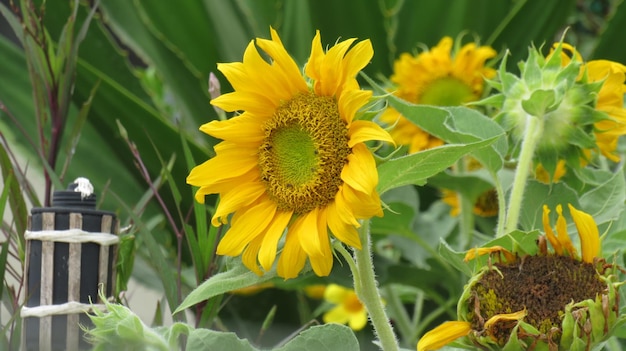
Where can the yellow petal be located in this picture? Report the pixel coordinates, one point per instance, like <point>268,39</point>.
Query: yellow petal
<point>332,76</point>
<point>338,314</point>
<point>312,68</point>
<point>358,320</point>
<point>287,68</point>
<point>547,227</point>
<point>243,128</point>
<point>362,205</point>
<point>588,233</point>
<point>230,164</point>
<point>362,131</point>
<point>357,58</point>
<point>360,172</point>
<point>267,253</point>
<point>343,231</point>
<point>246,225</point>
<point>336,293</point>
<point>515,316</point>
<point>351,102</point>
<point>305,228</point>
<point>322,264</point>
<point>442,335</point>
<point>236,198</point>
<point>292,258</point>
<point>479,251</point>
<point>561,229</point>
<point>250,254</point>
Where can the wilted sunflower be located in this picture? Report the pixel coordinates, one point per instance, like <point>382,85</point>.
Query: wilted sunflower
<point>294,158</point>
<point>436,77</point>
<point>545,301</point>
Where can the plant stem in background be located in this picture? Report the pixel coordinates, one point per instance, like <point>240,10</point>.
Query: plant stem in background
<point>367,290</point>
<point>534,130</point>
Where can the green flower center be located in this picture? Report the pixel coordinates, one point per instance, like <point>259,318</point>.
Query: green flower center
<point>447,91</point>
<point>304,152</point>
<point>543,285</point>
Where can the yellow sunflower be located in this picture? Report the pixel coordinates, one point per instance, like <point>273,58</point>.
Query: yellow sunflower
<point>486,205</point>
<point>547,300</point>
<point>610,99</point>
<point>436,77</point>
<point>348,310</point>
<point>294,158</point>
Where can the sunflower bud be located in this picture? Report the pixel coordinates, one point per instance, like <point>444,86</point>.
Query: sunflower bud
<point>549,92</point>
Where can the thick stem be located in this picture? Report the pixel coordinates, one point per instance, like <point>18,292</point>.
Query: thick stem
<point>532,134</point>
<point>367,290</point>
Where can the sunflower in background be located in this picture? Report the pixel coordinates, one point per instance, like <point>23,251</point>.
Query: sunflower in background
<point>437,77</point>
<point>295,159</point>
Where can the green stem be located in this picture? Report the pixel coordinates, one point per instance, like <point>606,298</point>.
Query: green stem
<point>367,290</point>
<point>501,205</point>
<point>466,208</point>
<point>467,220</point>
<point>397,309</point>
<point>532,134</point>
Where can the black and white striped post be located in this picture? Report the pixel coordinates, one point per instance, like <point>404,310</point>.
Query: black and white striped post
<point>71,252</point>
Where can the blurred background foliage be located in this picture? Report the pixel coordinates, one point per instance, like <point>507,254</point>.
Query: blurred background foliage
<point>144,65</point>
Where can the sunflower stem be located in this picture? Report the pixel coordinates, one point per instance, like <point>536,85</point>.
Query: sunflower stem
<point>501,204</point>
<point>366,289</point>
<point>532,134</point>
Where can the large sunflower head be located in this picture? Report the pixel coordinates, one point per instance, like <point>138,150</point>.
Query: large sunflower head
<point>440,77</point>
<point>552,300</point>
<point>294,159</point>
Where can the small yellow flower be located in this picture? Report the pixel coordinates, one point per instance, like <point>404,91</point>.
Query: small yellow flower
<point>294,163</point>
<point>348,310</point>
<point>436,77</point>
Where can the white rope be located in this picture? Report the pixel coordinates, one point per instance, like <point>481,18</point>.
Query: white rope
<point>71,307</point>
<point>72,236</point>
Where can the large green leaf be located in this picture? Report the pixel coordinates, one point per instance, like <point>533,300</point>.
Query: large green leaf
<point>606,47</point>
<point>417,168</point>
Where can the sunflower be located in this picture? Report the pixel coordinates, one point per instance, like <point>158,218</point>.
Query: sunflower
<point>486,204</point>
<point>348,308</point>
<point>610,98</point>
<point>295,157</point>
<point>547,300</point>
<point>436,77</point>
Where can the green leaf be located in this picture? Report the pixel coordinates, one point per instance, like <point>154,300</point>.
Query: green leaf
<point>605,201</point>
<point>19,212</point>
<point>417,168</point>
<point>236,277</point>
<point>614,32</point>
<point>327,337</point>
<point>454,258</point>
<point>536,195</point>
<point>539,103</point>
<point>206,339</point>
<point>457,125</point>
